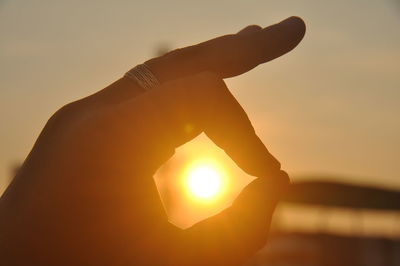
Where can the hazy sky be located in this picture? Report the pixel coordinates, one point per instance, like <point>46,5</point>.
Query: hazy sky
<point>332,106</point>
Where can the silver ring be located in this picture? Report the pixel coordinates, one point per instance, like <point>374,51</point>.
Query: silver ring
<point>143,76</point>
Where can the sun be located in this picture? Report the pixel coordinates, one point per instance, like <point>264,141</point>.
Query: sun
<point>204,181</point>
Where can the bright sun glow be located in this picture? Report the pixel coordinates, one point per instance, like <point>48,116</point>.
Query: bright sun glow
<point>204,181</point>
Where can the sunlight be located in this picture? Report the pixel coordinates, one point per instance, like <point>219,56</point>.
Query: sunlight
<point>204,181</point>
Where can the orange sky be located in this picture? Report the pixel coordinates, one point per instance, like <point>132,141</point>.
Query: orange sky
<point>330,107</point>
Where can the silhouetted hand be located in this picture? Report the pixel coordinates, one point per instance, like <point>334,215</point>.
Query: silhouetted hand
<point>85,194</point>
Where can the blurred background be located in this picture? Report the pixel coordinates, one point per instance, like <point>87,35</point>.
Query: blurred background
<point>329,110</point>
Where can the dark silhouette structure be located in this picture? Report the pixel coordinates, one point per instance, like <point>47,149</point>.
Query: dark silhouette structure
<point>343,195</point>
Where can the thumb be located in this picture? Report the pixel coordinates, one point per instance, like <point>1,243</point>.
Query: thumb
<point>252,210</point>
<point>232,236</point>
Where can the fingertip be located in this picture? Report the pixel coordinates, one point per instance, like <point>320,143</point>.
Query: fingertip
<point>279,39</point>
<point>296,26</point>
<point>283,181</point>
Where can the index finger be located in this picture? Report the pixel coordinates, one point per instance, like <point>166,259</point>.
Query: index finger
<point>230,55</point>
<point>179,110</point>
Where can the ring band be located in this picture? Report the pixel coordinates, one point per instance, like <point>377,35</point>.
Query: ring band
<point>143,76</point>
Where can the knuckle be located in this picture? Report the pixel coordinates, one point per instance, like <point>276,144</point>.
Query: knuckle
<point>72,111</point>
<point>173,52</point>
<point>284,178</point>
<point>63,112</point>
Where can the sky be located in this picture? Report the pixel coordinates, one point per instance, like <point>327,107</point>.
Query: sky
<point>330,108</point>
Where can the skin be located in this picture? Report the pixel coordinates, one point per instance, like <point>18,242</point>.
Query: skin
<point>85,194</point>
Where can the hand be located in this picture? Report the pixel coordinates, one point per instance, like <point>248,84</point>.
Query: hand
<point>85,194</point>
